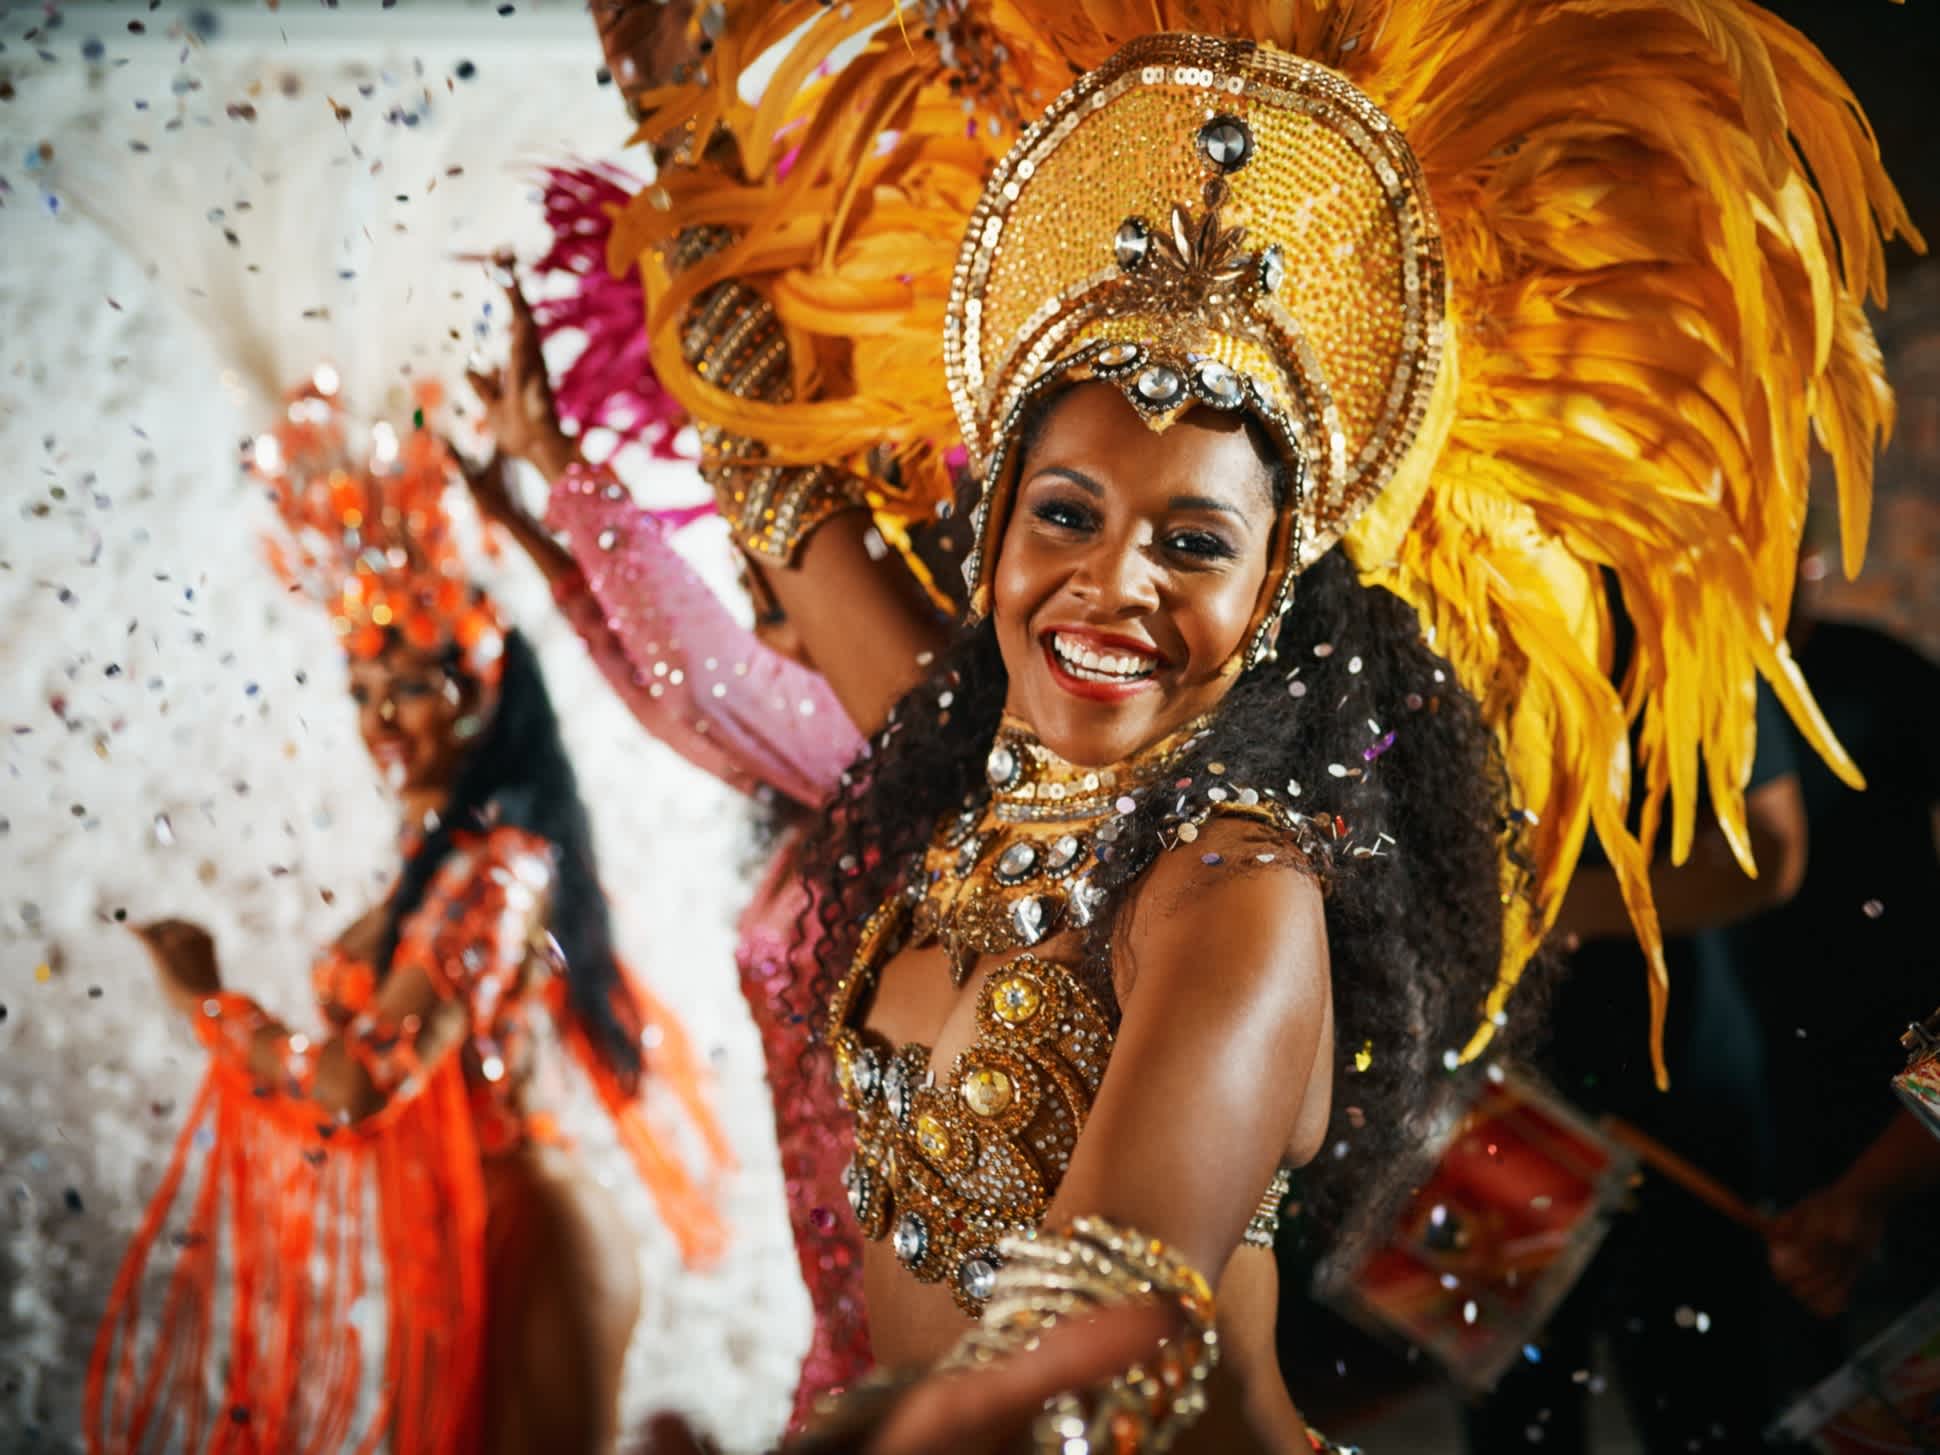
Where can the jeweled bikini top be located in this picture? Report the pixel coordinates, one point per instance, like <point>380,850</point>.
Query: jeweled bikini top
<point>948,1164</point>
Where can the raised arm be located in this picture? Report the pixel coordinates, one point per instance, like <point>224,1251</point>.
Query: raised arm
<point>1222,1069</point>
<point>690,674</point>
<point>859,613</point>
<point>1224,1054</point>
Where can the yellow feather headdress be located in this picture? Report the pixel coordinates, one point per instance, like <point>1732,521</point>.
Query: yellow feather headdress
<point>1658,219</point>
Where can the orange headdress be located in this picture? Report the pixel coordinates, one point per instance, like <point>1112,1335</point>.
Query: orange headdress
<point>368,537</point>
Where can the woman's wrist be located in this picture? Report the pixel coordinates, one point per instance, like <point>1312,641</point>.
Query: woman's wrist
<point>552,454</point>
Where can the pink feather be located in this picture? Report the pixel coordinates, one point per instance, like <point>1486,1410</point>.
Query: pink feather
<point>610,384</point>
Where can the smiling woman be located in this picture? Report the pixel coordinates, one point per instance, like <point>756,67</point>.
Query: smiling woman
<point>1225,825</point>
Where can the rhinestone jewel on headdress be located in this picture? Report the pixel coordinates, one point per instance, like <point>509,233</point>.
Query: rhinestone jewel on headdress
<point>1133,244</point>
<point>1227,142</point>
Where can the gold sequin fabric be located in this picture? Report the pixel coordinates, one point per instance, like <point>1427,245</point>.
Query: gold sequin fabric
<point>948,1163</point>
<point>1012,869</point>
<point>1190,278</point>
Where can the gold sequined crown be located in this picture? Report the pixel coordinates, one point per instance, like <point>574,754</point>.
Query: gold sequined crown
<point>1273,250</point>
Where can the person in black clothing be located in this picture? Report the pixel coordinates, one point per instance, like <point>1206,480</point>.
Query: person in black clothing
<point>1676,1289</point>
<point>1835,975</point>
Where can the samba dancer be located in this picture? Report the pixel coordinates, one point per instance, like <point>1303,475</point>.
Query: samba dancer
<point>410,1148</point>
<point>1311,372</point>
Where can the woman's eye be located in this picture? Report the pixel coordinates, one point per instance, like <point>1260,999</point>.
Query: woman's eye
<point>360,696</point>
<point>1063,514</point>
<point>405,690</point>
<point>1200,543</point>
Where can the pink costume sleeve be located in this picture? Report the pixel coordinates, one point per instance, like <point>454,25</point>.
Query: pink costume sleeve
<point>693,676</point>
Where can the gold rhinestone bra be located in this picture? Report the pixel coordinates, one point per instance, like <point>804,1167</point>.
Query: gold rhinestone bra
<point>948,1164</point>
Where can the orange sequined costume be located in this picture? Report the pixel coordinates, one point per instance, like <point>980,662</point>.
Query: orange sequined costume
<point>312,1274</point>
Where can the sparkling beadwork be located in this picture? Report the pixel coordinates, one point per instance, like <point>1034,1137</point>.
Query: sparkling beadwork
<point>1015,1000</point>
<point>1063,854</point>
<point>1000,769</point>
<point>1226,142</point>
<point>987,1091</point>
<point>1133,244</point>
<point>1117,356</point>
<point>932,1137</point>
<point>911,1239</point>
<point>1273,268</point>
<point>1027,918</point>
<point>855,1183</point>
<point>1086,898</point>
<point>865,1070</point>
<point>895,1089</point>
<point>1016,862</point>
<point>977,1275</point>
<point>1158,384</point>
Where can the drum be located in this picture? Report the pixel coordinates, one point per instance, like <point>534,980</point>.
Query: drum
<point>1919,1084</point>
<point>1520,1198</point>
<point>1885,1402</point>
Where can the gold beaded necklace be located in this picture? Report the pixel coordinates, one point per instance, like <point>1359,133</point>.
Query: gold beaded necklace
<point>1006,873</point>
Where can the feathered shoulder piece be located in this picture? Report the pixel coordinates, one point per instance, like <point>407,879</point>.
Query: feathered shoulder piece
<point>1531,291</point>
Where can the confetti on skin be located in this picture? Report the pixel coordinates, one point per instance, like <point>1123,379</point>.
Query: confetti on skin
<point>1211,859</point>
<point>1364,1057</point>
<point>1379,746</point>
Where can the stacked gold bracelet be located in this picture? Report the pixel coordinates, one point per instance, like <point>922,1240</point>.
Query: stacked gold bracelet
<point>734,340</point>
<point>1095,1265</point>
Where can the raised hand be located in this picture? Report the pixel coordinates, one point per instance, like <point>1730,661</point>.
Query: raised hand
<point>490,484</point>
<point>517,397</point>
<point>185,961</point>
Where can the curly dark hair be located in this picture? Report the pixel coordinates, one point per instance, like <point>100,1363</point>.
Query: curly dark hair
<point>1360,726</point>
<point>518,775</point>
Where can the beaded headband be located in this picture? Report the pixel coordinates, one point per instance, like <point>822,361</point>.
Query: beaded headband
<point>369,538</point>
<point>1209,223</point>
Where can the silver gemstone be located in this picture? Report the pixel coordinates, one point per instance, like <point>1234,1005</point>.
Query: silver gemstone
<point>895,1089</point>
<point>1226,142</point>
<point>1000,768</point>
<point>866,1068</point>
<point>607,539</point>
<point>977,1275</point>
<point>1016,862</point>
<point>1221,384</point>
<point>855,1181</point>
<point>1086,898</point>
<point>1133,244</point>
<point>1027,918</point>
<point>1158,385</point>
<point>1116,356</point>
<point>1273,269</point>
<point>1064,853</point>
<point>911,1239</point>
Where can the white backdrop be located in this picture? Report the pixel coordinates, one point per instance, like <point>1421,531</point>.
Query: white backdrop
<point>178,740</point>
